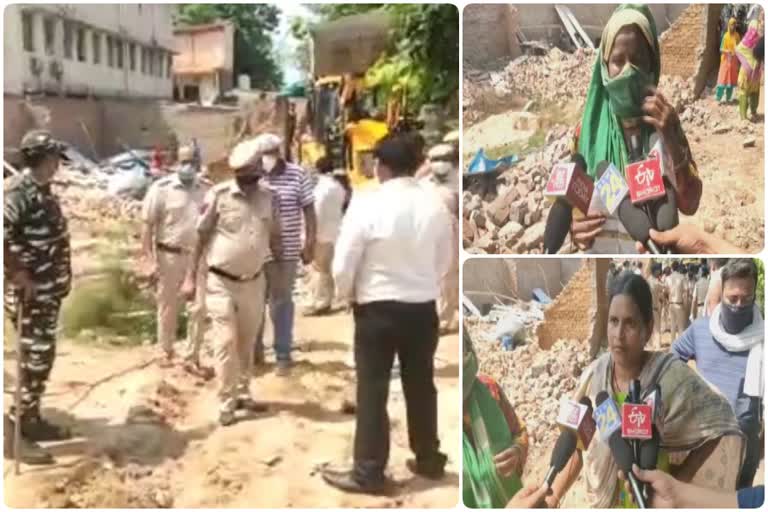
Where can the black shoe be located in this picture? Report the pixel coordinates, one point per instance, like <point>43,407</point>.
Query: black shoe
<point>251,405</point>
<point>34,454</point>
<point>347,482</point>
<point>227,418</point>
<point>35,428</point>
<point>434,468</point>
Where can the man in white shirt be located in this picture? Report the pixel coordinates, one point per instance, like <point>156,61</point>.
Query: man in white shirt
<point>393,249</point>
<point>329,203</point>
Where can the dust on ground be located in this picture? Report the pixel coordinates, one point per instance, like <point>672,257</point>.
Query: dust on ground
<point>148,436</point>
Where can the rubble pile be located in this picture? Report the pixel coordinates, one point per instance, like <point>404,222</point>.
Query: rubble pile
<point>84,197</point>
<point>567,316</point>
<point>533,379</point>
<point>511,216</point>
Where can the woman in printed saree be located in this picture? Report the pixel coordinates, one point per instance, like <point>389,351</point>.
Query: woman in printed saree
<point>700,440</point>
<point>625,119</point>
<point>495,443</point>
<point>729,64</point>
<point>750,53</point>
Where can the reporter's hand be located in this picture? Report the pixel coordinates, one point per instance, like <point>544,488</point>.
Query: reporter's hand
<point>667,492</point>
<point>586,229</point>
<point>689,239</point>
<point>531,496</point>
<point>509,461</point>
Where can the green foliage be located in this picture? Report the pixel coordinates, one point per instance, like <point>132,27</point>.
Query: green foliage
<point>254,24</point>
<point>423,57</point>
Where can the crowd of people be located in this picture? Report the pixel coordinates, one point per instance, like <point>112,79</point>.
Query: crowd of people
<point>231,251</point>
<point>711,421</point>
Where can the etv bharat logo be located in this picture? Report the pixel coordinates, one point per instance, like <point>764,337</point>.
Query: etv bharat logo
<point>644,176</point>
<point>636,417</point>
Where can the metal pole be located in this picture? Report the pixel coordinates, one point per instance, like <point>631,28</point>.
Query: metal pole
<point>17,394</point>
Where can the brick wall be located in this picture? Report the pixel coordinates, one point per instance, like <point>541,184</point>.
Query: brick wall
<point>488,35</point>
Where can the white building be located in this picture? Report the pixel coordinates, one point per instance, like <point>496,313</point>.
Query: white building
<point>99,50</point>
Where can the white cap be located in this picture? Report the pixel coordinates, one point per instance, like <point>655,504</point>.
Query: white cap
<point>268,142</point>
<point>244,154</point>
<point>185,153</point>
<point>451,137</point>
<point>441,152</point>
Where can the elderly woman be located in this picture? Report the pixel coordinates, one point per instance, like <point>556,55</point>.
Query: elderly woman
<point>625,119</point>
<point>495,443</point>
<point>700,437</point>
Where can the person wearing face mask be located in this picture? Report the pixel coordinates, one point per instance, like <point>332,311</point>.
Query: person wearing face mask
<point>38,275</point>
<point>170,211</point>
<point>728,350</point>
<point>393,248</point>
<point>699,436</point>
<point>627,118</point>
<point>238,233</point>
<point>294,197</point>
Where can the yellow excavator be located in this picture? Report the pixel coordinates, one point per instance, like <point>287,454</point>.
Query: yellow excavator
<point>344,123</point>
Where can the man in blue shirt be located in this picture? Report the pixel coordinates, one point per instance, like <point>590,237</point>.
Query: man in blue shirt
<point>727,348</point>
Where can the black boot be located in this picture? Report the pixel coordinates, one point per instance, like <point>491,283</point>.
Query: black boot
<point>348,481</point>
<point>432,467</point>
<point>35,428</point>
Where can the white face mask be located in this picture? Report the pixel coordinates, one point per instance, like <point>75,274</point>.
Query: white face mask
<point>268,162</point>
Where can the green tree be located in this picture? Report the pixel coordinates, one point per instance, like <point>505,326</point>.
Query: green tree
<point>423,56</point>
<point>254,25</point>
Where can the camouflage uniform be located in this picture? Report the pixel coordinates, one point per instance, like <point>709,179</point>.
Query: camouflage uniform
<point>36,233</point>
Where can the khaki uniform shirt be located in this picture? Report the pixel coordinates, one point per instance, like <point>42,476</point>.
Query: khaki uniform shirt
<point>657,291</point>
<point>239,226</point>
<point>173,209</point>
<point>676,286</point>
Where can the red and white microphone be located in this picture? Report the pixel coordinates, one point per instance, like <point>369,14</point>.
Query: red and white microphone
<point>570,182</point>
<point>577,416</point>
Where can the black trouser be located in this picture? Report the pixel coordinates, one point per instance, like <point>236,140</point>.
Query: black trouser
<point>383,329</point>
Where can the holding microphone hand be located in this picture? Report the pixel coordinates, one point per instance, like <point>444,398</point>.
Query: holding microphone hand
<point>585,230</point>
<point>531,496</point>
<point>667,492</point>
<point>689,239</point>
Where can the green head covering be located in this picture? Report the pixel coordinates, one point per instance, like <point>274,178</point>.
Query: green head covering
<point>470,365</point>
<point>611,99</point>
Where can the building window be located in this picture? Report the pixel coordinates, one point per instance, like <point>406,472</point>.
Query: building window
<point>81,44</point>
<point>119,51</point>
<point>110,52</point>
<point>143,61</point>
<point>169,63</point>
<point>68,39</point>
<point>151,55</point>
<point>160,59</point>
<point>132,56</point>
<point>49,31</point>
<point>96,41</point>
<point>28,31</point>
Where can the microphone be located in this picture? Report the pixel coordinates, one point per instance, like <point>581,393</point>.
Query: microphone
<point>606,416</point>
<point>665,210</point>
<point>637,224</point>
<point>569,181</point>
<point>565,446</point>
<point>577,417</point>
<point>557,227</point>
<point>622,454</point>
<point>570,186</point>
<point>649,453</point>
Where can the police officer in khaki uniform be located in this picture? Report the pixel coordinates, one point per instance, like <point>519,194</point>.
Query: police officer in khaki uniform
<point>665,320</point>
<point>238,231</point>
<point>659,292</point>
<point>677,292</point>
<point>170,212</point>
<point>700,294</point>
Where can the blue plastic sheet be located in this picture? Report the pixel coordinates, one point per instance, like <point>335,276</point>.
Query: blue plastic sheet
<point>481,164</point>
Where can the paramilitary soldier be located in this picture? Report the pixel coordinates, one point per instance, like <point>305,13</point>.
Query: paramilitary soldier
<point>38,274</point>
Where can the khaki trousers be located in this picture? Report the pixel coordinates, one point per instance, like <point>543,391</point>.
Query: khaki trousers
<point>448,304</point>
<point>322,280</point>
<point>171,269</point>
<point>237,313</point>
<point>678,320</point>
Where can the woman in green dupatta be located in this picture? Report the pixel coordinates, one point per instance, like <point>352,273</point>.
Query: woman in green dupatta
<point>495,442</point>
<point>700,440</point>
<point>623,104</point>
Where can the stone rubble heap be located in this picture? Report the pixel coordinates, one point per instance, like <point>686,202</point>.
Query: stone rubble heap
<point>511,218</point>
<point>533,379</point>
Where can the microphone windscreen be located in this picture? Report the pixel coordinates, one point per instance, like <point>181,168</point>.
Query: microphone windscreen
<point>563,450</point>
<point>622,452</point>
<point>601,397</point>
<point>635,220</point>
<point>558,225</point>
<point>666,209</point>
